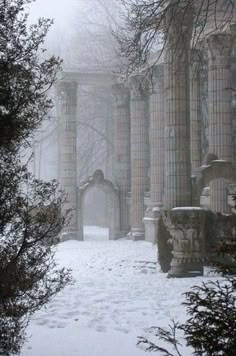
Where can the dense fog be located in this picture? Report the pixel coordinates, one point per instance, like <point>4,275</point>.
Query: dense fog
<point>82,36</point>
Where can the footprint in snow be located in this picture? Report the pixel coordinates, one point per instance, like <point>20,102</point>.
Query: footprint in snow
<point>61,325</point>
<point>42,321</point>
<point>122,330</point>
<point>101,328</point>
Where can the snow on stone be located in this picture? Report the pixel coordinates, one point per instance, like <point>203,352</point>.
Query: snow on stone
<point>117,295</point>
<point>188,208</point>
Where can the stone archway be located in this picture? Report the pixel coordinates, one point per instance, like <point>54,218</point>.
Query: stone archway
<point>98,180</point>
<point>215,170</point>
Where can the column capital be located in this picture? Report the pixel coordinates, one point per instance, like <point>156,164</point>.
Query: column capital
<point>67,89</point>
<point>196,56</point>
<point>178,23</point>
<point>220,46</point>
<point>158,70</point>
<point>196,59</point>
<point>139,85</point>
<point>121,94</point>
<point>157,77</point>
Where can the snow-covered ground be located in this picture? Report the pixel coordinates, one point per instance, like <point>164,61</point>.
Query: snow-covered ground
<point>118,294</point>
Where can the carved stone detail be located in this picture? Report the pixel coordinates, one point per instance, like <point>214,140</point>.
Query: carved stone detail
<point>220,45</point>
<point>121,94</point>
<point>186,226</point>
<point>139,85</point>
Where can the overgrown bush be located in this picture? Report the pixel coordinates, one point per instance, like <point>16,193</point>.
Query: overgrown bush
<point>30,209</point>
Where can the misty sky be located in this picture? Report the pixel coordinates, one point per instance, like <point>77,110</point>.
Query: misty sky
<point>80,31</point>
<point>58,9</point>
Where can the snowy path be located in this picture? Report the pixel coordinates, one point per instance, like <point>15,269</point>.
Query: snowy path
<point>117,294</point>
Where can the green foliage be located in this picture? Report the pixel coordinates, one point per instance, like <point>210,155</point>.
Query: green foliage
<point>25,77</point>
<point>29,222</point>
<point>210,329</point>
<point>30,209</point>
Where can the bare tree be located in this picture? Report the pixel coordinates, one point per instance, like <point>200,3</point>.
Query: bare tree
<point>147,25</point>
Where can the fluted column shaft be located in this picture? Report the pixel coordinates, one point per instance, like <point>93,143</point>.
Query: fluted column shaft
<point>220,112</point>
<point>195,110</point>
<point>139,153</point>
<point>122,149</point>
<point>156,136</point>
<point>177,122</point>
<point>67,93</point>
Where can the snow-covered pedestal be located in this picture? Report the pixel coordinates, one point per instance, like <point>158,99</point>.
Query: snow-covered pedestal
<point>187,228</point>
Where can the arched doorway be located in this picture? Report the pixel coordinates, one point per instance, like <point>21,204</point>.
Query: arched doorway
<point>100,183</point>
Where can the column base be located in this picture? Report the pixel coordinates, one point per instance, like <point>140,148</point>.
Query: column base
<point>136,234</point>
<point>70,235</point>
<point>184,269</point>
<point>118,235</point>
<point>152,216</point>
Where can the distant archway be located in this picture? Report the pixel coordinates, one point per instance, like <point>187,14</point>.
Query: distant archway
<point>98,181</point>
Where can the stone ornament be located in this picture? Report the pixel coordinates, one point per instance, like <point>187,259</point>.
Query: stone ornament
<point>139,85</point>
<point>220,45</point>
<point>121,94</point>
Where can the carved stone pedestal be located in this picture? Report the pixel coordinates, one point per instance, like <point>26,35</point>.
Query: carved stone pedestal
<point>187,225</point>
<point>151,220</point>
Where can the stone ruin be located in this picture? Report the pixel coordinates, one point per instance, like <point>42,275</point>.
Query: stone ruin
<point>160,179</point>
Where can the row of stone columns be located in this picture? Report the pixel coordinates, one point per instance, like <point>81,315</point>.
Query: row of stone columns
<point>175,127</point>
<point>158,126</point>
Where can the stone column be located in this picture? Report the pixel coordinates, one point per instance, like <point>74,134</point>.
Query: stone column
<point>67,95</point>
<point>156,141</point>
<point>156,136</point>
<point>220,112</point>
<point>122,150</point>
<point>177,179</point>
<point>139,153</point>
<point>195,110</point>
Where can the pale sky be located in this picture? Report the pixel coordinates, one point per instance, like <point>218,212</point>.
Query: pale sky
<point>60,10</point>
